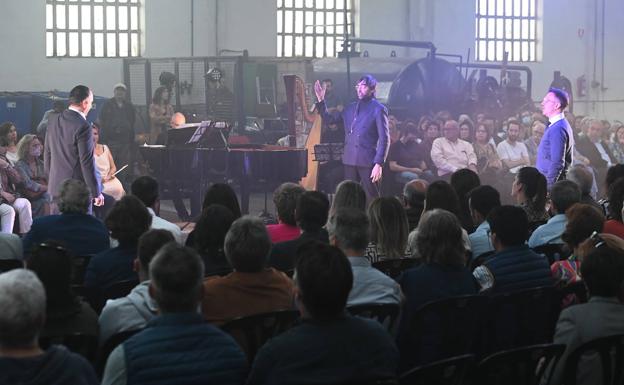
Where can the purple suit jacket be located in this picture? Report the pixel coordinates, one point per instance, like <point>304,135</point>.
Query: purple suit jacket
<point>366,131</point>
<point>555,151</point>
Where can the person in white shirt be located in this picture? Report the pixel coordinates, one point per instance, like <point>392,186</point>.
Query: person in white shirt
<point>146,189</point>
<point>449,153</point>
<point>513,153</point>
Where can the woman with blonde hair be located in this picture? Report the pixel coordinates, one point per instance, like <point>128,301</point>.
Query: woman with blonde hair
<point>34,186</point>
<point>388,230</point>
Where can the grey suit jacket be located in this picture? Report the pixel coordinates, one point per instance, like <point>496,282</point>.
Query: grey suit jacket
<point>578,324</point>
<point>69,152</point>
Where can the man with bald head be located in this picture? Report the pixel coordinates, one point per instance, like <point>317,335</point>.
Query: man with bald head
<point>449,153</point>
<point>177,120</point>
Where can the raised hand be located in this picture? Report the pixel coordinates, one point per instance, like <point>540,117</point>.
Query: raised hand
<point>319,90</point>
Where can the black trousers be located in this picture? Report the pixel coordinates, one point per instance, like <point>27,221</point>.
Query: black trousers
<point>362,175</point>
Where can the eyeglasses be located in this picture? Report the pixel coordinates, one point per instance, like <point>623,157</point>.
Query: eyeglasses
<point>45,245</point>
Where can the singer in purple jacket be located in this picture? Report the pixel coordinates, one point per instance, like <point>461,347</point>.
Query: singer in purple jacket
<point>555,151</point>
<point>366,134</point>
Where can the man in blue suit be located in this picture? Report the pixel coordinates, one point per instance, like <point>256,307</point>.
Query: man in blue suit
<point>554,154</point>
<point>366,134</point>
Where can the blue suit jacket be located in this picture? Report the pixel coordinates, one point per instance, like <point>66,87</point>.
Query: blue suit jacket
<point>82,234</point>
<point>366,131</point>
<point>555,151</point>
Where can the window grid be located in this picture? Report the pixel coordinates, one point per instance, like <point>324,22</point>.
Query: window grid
<point>506,26</point>
<point>312,28</point>
<point>92,28</point>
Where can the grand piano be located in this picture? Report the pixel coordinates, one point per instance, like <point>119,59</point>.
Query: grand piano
<point>192,167</point>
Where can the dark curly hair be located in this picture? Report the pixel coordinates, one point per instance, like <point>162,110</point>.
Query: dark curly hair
<point>128,220</point>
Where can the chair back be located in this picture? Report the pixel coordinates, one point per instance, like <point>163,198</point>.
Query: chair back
<point>394,267</point>
<point>553,251</point>
<point>253,331</point>
<point>10,264</point>
<point>443,329</point>
<point>386,314</point>
<point>600,361</point>
<point>109,345</point>
<point>520,366</point>
<point>83,344</point>
<point>521,318</point>
<point>80,264</point>
<point>451,371</point>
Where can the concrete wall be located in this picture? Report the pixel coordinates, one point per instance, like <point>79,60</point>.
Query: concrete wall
<point>571,42</point>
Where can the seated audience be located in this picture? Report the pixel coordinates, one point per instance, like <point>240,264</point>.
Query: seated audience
<point>616,197</point>
<point>211,229</point>
<point>34,186</point>
<point>529,191</point>
<point>512,152</point>
<point>613,174</point>
<point>22,361</point>
<point>616,145</point>
<point>442,274</point>
<point>414,201</point>
<point>177,346</point>
<point>348,194</point>
<point>11,246</point>
<point>601,316</point>
<point>595,149</point>
<point>466,129</point>
<point>8,140</point>
<point>462,182</point>
<point>348,230</point>
<point>532,142</point>
<point>449,153</point>
<point>311,216</point>
<point>65,312</point>
<point>563,195</point>
<point>329,346</point>
<point>430,134</point>
<point>285,200</point>
<point>127,221</point>
<point>146,189</point>
<point>81,233</point>
<point>489,164</point>
<point>106,166</point>
<point>583,220</point>
<point>10,202</point>
<point>135,310</point>
<point>221,194</point>
<point>514,266</point>
<point>583,178</point>
<point>252,288</point>
<point>388,230</point>
<point>482,200</point>
<point>405,158</point>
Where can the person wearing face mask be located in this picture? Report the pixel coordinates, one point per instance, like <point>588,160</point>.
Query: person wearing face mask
<point>34,185</point>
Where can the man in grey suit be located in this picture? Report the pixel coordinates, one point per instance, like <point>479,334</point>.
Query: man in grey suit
<point>69,146</point>
<point>603,315</point>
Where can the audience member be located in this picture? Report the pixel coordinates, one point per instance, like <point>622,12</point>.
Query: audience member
<point>348,194</point>
<point>23,304</point>
<point>616,197</point>
<point>34,186</point>
<point>82,234</point>
<point>449,153</point>
<point>10,202</point>
<point>135,310</point>
<point>414,201</point>
<point>211,229</point>
<point>512,152</point>
<point>583,220</point>
<point>532,142</point>
<point>563,194</point>
<point>8,139</point>
<point>529,191</point>
<point>329,346</point>
<point>442,274</point>
<point>595,149</point>
<point>127,221</point>
<point>405,158</point>
<point>482,200</point>
<point>178,339</point>
<point>251,288</point>
<point>616,145</point>
<point>431,133</point>
<point>466,129</point>
<point>311,215</point>
<point>463,181</point>
<point>489,164</point>
<point>58,105</point>
<point>613,173</point>
<point>106,166</point>
<point>388,230</point>
<point>601,316</point>
<point>146,189</point>
<point>583,178</point>
<point>285,200</point>
<point>65,312</point>
<point>514,266</point>
<point>348,230</point>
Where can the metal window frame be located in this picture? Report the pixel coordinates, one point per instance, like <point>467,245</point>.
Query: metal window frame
<point>348,10</point>
<point>117,4</point>
<point>490,36</point>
